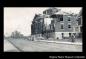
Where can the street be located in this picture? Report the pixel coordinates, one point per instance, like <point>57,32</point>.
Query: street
<point>39,46</point>
<point>9,47</point>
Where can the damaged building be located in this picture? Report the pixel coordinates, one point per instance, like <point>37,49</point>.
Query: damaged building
<point>54,23</point>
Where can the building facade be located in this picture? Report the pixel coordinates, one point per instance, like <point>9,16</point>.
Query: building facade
<point>54,23</point>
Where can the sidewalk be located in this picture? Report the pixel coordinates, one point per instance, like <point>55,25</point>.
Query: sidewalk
<point>59,42</point>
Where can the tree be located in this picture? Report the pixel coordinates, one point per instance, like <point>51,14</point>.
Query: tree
<point>16,34</point>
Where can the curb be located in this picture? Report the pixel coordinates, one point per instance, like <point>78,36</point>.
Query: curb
<point>63,42</point>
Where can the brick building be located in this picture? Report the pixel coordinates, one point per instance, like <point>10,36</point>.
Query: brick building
<point>54,23</point>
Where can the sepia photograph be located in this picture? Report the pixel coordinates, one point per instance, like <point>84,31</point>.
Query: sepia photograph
<point>43,29</point>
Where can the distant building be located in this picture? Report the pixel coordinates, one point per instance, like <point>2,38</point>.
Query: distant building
<point>55,24</point>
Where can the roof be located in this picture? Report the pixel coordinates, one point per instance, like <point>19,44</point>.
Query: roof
<point>62,13</point>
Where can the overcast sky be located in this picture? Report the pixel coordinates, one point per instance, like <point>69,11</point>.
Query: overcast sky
<point>16,18</point>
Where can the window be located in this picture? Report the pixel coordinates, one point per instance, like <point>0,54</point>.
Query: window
<point>61,26</point>
<point>76,29</point>
<point>68,19</point>
<point>62,34</point>
<point>69,26</point>
<point>69,34</point>
<point>61,18</point>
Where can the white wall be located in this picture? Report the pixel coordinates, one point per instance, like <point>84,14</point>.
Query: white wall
<point>59,34</point>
